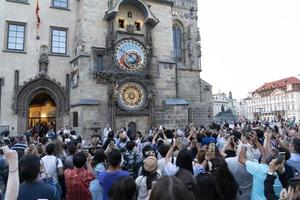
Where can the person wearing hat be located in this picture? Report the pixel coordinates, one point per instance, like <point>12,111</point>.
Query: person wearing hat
<point>148,177</point>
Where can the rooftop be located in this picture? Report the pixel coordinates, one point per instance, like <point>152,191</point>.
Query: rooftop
<point>282,83</point>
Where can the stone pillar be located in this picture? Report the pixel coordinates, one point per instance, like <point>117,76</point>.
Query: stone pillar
<point>1,84</point>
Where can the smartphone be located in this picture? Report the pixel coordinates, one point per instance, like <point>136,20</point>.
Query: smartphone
<point>212,147</point>
<point>280,158</point>
<point>112,142</point>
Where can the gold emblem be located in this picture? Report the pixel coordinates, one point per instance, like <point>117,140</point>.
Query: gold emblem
<point>132,95</point>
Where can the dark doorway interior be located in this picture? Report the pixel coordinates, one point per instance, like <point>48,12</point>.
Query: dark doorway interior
<point>132,129</point>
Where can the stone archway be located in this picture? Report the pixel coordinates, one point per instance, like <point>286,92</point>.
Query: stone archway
<point>34,87</point>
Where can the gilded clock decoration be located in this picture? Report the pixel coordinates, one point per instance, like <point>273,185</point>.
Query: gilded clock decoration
<point>130,55</point>
<point>131,96</point>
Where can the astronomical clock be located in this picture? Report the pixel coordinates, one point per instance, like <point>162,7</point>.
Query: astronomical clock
<point>130,55</point>
<point>131,96</point>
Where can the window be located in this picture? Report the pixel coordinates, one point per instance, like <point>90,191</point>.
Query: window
<point>58,41</point>
<point>99,63</point>
<point>75,119</point>
<point>177,42</point>
<point>137,26</point>
<point>60,3</point>
<point>16,36</point>
<point>121,23</point>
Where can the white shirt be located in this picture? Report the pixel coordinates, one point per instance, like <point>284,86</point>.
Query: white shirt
<point>50,168</point>
<point>105,134</point>
<point>170,168</point>
<point>161,163</point>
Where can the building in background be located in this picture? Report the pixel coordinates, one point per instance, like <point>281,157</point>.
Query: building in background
<point>85,64</point>
<point>225,104</point>
<point>275,100</point>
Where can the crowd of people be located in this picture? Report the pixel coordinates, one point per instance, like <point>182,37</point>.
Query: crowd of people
<point>249,160</point>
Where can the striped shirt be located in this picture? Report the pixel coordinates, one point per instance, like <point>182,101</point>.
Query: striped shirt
<point>19,146</point>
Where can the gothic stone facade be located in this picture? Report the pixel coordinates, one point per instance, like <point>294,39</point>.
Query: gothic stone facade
<point>103,62</point>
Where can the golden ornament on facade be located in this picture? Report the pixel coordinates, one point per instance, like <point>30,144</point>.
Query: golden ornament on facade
<point>132,95</point>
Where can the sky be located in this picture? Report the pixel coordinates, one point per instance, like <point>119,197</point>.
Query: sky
<point>246,43</point>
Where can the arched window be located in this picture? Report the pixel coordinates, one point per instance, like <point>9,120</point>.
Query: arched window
<point>177,42</point>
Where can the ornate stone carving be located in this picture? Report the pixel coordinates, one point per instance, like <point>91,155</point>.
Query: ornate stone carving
<point>43,60</point>
<point>199,49</point>
<point>75,78</point>
<point>130,28</point>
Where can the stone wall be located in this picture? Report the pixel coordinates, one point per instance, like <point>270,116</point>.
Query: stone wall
<point>171,116</point>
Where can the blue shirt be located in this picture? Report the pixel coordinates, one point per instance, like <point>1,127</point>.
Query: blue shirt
<point>294,161</point>
<point>107,179</point>
<point>259,174</point>
<point>37,190</point>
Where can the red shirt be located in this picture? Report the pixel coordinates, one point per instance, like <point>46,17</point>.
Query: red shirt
<point>77,184</point>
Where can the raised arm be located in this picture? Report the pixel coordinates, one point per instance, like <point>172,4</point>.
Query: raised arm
<point>170,153</point>
<point>242,155</point>
<point>12,188</point>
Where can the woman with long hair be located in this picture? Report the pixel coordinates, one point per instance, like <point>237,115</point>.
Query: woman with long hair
<point>226,181</point>
<point>170,188</point>
<point>98,166</point>
<point>207,187</point>
<point>184,160</point>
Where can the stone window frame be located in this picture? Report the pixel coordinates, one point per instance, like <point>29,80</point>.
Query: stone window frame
<point>60,7</point>
<point>19,1</point>
<point>6,36</point>
<point>97,51</point>
<point>66,42</point>
<point>179,24</point>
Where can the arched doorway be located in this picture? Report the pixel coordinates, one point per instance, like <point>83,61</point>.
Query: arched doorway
<point>41,91</point>
<point>42,110</point>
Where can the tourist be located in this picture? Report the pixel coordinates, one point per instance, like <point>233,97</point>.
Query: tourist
<point>12,186</point>
<point>149,175</point>
<point>123,189</point>
<point>294,161</point>
<point>113,172</point>
<point>20,145</point>
<point>53,166</point>
<point>105,133</point>
<point>189,181</point>
<point>170,188</point>
<point>207,187</point>
<point>130,160</point>
<point>226,181</point>
<point>259,172</point>
<point>78,179</point>
<point>183,160</point>
<point>31,188</point>
<point>241,175</point>
<point>98,164</point>
<point>68,164</point>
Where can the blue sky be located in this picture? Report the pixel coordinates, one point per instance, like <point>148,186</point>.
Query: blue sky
<point>248,42</point>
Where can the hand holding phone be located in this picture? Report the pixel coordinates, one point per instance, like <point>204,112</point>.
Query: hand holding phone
<point>280,158</point>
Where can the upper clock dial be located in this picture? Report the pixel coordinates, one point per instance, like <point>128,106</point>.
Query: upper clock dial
<point>130,55</point>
